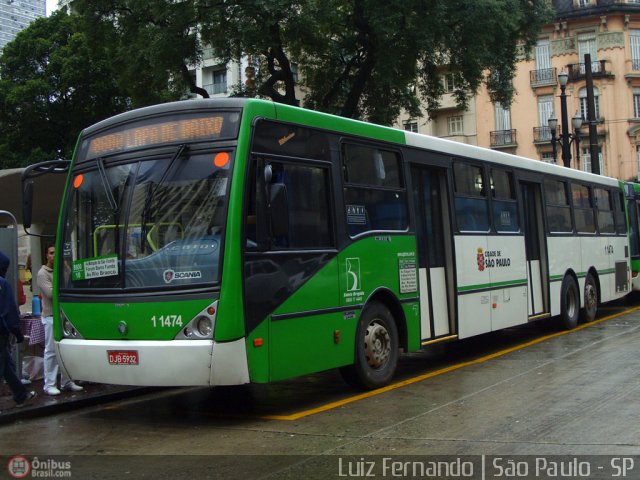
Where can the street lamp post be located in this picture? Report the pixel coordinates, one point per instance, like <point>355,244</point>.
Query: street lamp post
<point>565,138</point>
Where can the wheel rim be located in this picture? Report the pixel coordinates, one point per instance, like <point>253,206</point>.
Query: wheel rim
<point>590,296</point>
<point>571,302</point>
<point>377,344</point>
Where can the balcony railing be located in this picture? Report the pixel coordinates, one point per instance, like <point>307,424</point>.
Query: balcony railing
<point>503,138</point>
<point>544,76</point>
<point>214,88</point>
<point>598,70</point>
<point>542,134</point>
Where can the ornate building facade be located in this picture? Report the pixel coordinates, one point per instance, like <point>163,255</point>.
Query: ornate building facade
<point>609,31</point>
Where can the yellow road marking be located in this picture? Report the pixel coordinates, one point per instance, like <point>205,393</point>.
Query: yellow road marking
<point>419,378</point>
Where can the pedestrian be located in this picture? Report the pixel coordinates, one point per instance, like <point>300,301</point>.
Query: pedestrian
<point>10,324</point>
<point>45,284</point>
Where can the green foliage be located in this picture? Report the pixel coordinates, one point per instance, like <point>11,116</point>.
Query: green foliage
<point>151,43</point>
<point>53,83</point>
<point>367,59</point>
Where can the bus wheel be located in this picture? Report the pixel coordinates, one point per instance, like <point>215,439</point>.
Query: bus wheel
<point>569,303</point>
<point>376,355</point>
<point>588,313</point>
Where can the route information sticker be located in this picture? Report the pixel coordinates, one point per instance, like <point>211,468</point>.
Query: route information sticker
<point>88,268</point>
<point>407,272</point>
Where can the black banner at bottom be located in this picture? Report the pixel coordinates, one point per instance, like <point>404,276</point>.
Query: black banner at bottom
<point>321,467</point>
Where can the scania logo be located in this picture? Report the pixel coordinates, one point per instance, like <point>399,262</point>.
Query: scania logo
<point>122,328</point>
<point>171,275</point>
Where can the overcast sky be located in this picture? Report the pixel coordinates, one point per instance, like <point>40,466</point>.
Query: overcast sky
<point>51,6</point>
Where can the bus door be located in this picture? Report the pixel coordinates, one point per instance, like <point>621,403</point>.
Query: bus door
<point>536,250</point>
<point>434,252</point>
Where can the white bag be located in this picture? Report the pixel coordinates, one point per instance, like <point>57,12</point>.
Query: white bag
<point>33,367</point>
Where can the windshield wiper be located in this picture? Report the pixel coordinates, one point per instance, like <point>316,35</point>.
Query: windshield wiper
<point>146,212</point>
<point>108,189</point>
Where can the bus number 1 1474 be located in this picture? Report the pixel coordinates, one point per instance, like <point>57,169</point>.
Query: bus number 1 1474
<point>167,321</point>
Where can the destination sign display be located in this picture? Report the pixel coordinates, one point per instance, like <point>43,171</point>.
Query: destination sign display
<point>159,131</point>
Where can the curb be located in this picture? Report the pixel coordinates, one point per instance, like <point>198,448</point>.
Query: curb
<point>35,411</point>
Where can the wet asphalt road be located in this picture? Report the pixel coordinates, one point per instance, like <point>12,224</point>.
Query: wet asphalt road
<point>524,391</point>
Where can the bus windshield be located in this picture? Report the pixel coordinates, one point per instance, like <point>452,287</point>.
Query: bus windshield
<point>146,223</point>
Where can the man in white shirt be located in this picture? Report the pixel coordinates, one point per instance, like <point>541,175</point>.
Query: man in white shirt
<point>45,284</point>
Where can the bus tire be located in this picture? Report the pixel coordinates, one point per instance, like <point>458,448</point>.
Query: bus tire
<point>588,312</point>
<point>376,349</point>
<point>569,303</point>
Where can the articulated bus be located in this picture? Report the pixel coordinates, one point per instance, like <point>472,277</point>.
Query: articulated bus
<point>229,241</point>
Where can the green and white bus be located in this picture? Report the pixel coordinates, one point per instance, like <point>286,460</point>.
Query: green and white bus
<point>229,241</point>
<point>633,211</point>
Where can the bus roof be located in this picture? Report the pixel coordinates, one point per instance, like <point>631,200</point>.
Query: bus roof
<point>354,127</point>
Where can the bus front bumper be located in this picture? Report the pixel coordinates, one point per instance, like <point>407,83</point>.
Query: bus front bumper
<point>155,363</point>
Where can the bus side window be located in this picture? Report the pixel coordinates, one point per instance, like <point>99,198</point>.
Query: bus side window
<point>604,206</point>
<point>583,208</point>
<point>558,208</point>
<point>470,198</point>
<point>504,204</point>
<point>299,207</point>
<point>374,193</point>
<point>619,213</point>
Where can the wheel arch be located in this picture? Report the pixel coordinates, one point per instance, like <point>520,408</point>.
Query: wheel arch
<point>390,300</point>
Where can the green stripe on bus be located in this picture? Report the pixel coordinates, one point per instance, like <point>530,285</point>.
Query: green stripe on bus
<point>607,271</point>
<point>484,286</point>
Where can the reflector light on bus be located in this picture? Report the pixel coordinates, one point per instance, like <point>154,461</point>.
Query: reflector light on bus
<point>77,182</point>
<point>257,342</point>
<point>221,159</point>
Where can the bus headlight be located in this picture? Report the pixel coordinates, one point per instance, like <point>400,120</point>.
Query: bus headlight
<point>204,326</point>
<point>68,329</point>
<point>201,326</point>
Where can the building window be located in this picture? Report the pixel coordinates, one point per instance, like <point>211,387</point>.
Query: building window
<point>219,81</point>
<point>410,126</point>
<point>543,55</point>
<point>455,125</point>
<point>547,157</point>
<point>503,118</point>
<point>585,160</point>
<point>587,44</point>
<point>636,103</point>
<point>545,109</point>
<point>449,81</point>
<point>634,39</point>
<point>583,104</point>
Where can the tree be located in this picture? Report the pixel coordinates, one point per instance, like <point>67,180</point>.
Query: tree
<point>53,83</point>
<point>372,58</point>
<point>152,42</point>
<point>365,59</point>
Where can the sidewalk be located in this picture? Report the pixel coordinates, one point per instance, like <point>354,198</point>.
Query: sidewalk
<point>93,394</point>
